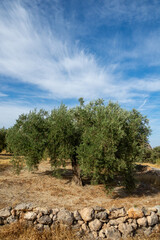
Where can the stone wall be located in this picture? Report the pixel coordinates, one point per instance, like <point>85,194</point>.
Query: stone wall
<point>95,223</point>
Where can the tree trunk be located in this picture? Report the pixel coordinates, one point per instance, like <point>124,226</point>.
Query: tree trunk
<point>76,172</point>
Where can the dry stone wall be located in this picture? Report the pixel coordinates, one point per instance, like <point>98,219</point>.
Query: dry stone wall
<point>95,223</point>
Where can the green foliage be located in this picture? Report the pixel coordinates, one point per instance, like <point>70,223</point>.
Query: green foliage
<point>62,136</point>
<point>156,154</point>
<point>101,141</point>
<point>3,133</point>
<point>28,138</point>
<point>111,141</point>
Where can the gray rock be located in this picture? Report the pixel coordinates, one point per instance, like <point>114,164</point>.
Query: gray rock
<point>45,220</point>
<point>99,209</point>
<point>126,229</point>
<point>30,216</point>
<point>142,222</point>
<point>117,221</point>
<point>24,206</point>
<point>158,209</point>
<point>112,233</point>
<point>95,225</point>
<point>65,217</point>
<point>153,219</point>
<point>5,212</point>
<point>87,214</point>
<point>117,212</point>
<point>77,215</point>
<point>11,219</point>
<point>44,211</point>
<point>102,216</point>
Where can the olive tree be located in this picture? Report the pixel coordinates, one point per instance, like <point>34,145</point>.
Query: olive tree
<point>63,139</point>
<point>3,133</point>
<point>111,142</point>
<point>28,138</point>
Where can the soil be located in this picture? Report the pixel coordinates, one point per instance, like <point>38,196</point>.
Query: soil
<point>44,190</point>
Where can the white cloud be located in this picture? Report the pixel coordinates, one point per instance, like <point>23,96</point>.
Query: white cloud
<point>37,55</point>
<point>10,112</point>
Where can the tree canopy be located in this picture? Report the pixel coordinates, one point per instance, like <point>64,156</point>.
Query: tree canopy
<point>100,140</point>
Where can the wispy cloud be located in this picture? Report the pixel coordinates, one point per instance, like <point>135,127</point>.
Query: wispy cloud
<point>40,56</point>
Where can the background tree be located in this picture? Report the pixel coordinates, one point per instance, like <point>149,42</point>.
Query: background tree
<point>28,138</point>
<point>3,133</point>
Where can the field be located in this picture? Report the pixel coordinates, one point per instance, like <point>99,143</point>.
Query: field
<point>42,189</point>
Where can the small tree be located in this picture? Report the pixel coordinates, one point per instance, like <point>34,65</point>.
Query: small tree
<point>3,133</point>
<point>28,138</point>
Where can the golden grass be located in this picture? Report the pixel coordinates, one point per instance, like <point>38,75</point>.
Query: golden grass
<point>17,231</point>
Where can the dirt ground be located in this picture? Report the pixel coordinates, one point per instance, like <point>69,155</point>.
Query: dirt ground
<point>44,190</point>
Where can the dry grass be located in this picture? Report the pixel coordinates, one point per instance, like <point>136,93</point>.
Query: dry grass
<point>18,231</point>
<point>42,189</point>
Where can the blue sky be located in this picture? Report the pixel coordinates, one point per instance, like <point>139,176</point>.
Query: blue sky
<point>59,50</point>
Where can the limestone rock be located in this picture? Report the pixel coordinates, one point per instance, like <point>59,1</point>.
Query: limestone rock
<point>11,219</point>
<point>117,221</point>
<point>117,212</point>
<point>45,220</point>
<point>112,233</point>
<point>5,212</point>
<point>77,215</point>
<point>24,206</point>
<point>102,233</point>
<point>142,222</point>
<point>158,209</point>
<point>65,217</point>
<point>30,216</point>
<point>95,225</point>
<point>102,216</point>
<point>153,219</point>
<point>125,228</point>
<point>87,214</point>
<point>55,211</point>
<point>84,227</point>
<point>80,222</point>
<point>99,209</point>
<point>43,211</point>
<point>135,213</point>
